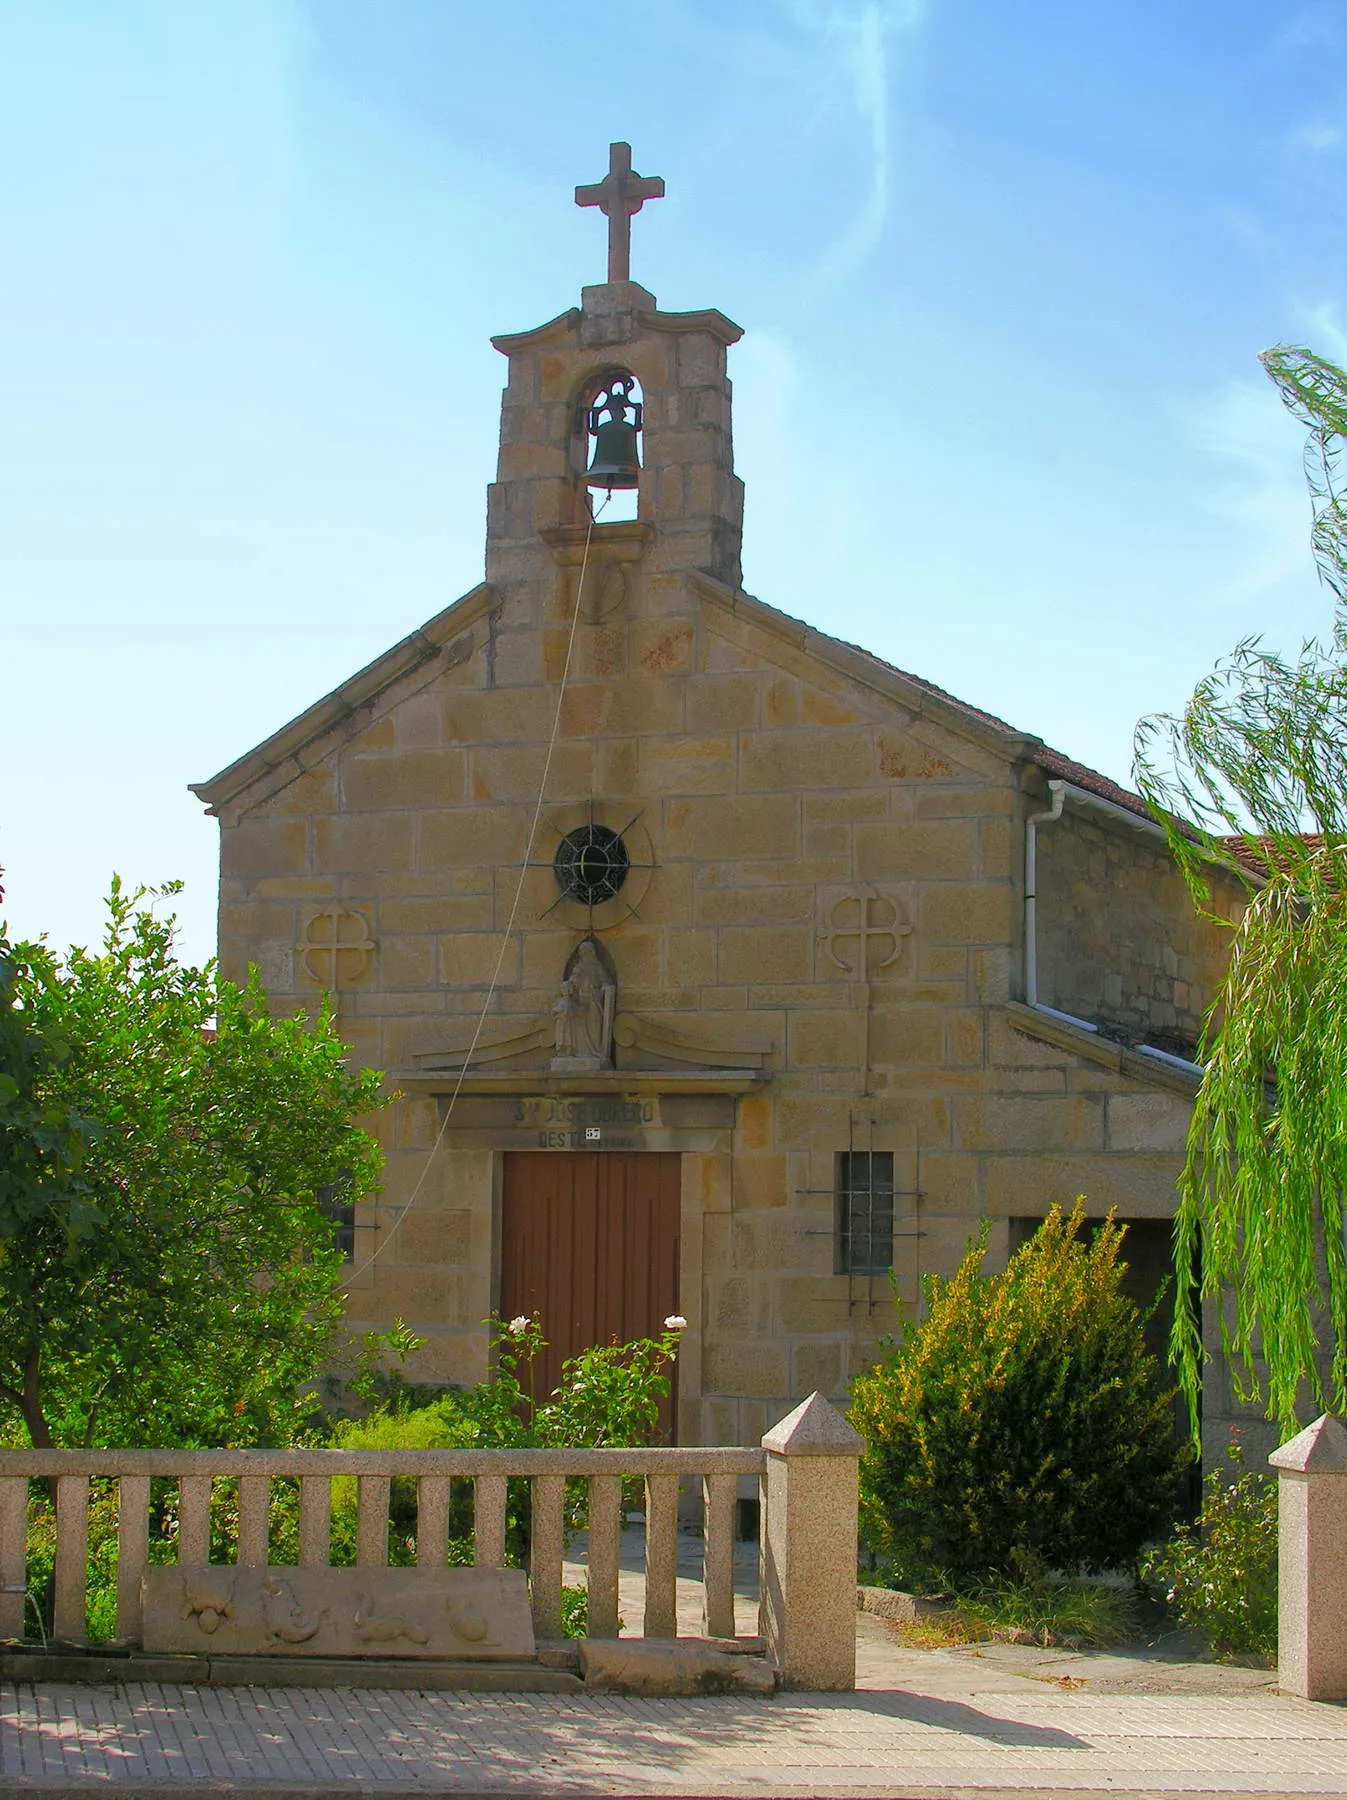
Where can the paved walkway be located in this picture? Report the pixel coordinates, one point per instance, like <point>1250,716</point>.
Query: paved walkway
<point>949,1735</point>
<point>993,1720</point>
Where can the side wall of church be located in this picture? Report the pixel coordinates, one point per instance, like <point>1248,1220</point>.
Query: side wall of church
<point>1120,942</point>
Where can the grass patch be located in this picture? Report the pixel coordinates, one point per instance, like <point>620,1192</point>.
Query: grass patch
<point>1066,1615</point>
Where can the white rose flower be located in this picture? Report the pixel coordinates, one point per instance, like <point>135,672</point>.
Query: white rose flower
<point>520,1323</point>
<point>675,1322</point>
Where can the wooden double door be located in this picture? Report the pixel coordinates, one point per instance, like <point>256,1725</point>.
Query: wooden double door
<point>590,1242</point>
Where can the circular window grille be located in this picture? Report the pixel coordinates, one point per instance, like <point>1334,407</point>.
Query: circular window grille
<point>591,864</point>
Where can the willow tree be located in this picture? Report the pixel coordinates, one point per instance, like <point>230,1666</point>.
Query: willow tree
<point>1252,779</point>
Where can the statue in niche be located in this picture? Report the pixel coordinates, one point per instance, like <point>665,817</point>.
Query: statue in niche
<point>584,1011</point>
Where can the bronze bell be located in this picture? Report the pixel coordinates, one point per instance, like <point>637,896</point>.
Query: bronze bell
<point>616,462</point>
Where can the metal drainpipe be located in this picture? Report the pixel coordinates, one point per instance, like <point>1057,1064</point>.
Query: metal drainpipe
<point>1058,791</point>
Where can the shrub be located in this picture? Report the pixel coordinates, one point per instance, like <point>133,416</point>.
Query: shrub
<point>1220,1575</point>
<point>1022,1424</point>
<point>609,1395</point>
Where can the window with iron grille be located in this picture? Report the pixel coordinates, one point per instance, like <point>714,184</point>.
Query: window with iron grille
<point>340,1213</point>
<point>590,864</point>
<point>864,1212</point>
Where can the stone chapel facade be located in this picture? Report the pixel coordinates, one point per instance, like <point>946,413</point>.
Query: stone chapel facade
<point>750,1017</point>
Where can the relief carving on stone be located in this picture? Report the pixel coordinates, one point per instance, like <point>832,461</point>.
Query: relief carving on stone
<point>864,936</point>
<point>487,1044</point>
<point>479,1613</point>
<point>668,1043</point>
<point>337,948</point>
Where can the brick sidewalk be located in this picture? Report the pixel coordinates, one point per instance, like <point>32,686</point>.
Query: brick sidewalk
<point>144,1739</point>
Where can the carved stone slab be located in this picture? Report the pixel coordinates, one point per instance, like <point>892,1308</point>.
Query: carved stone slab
<point>460,1613</point>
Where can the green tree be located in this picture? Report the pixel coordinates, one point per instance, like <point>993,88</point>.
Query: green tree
<point>42,1138</point>
<point>1251,779</point>
<point>167,1271</point>
<point>1021,1425</point>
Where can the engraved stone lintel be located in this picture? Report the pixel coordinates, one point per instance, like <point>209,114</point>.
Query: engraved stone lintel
<point>477,1614</point>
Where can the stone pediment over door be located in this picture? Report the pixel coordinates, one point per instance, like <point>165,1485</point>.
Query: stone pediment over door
<point>656,1043</point>
<point>497,1108</point>
<point>671,1090</point>
<point>642,1047</point>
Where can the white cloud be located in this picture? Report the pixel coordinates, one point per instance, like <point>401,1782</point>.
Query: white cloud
<point>855,38</point>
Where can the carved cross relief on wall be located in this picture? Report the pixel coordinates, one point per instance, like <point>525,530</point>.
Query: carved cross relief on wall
<point>336,948</point>
<point>864,936</point>
<point>864,933</point>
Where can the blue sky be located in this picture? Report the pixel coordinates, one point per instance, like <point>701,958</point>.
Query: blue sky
<point>1004,273</point>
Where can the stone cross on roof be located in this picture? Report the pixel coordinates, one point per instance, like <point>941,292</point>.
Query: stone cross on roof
<point>621,193</point>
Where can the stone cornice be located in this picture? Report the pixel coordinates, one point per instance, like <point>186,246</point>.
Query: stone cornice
<point>286,754</point>
<point>597,1081</point>
<point>1088,1044</point>
<point>624,540</point>
<point>555,331</point>
<point>566,327</point>
<point>710,320</point>
<point>866,671</point>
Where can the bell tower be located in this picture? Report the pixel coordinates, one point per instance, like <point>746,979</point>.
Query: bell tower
<point>614,394</point>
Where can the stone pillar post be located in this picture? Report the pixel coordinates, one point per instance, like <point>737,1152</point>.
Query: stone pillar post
<point>1312,1561</point>
<point>808,1610</point>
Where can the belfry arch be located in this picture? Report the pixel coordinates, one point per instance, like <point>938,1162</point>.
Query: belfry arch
<point>606,449</point>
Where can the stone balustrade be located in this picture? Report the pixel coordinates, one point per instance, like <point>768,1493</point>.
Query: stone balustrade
<point>1312,1561</point>
<point>807,1465</point>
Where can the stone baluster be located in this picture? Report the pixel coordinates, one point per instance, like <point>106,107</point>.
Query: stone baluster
<point>133,1551</point>
<point>315,1521</point>
<point>432,1520</point>
<point>546,1543</point>
<point>605,1533</point>
<point>661,1557</point>
<point>488,1521</point>
<point>808,1606</point>
<point>13,1553</point>
<point>254,1521</point>
<point>1312,1561</point>
<point>194,1520</point>
<point>371,1523</point>
<point>72,1555</point>
<point>719,1495</point>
